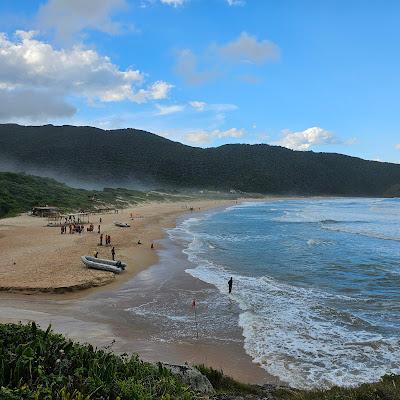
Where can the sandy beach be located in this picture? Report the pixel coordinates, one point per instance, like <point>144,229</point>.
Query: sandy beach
<point>36,258</point>
<point>39,261</point>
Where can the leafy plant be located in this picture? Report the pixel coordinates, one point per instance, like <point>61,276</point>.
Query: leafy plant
<point>37,364</point>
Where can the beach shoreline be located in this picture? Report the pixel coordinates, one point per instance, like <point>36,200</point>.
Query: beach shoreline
<point>37,259</point>
<point>74,312</point>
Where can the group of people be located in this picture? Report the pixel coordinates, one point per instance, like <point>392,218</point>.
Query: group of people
<point>107,240</point>
<point>73,228</point>
<point>96,254</point>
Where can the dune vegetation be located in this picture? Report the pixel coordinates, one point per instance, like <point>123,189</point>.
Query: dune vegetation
<point>20,192</point>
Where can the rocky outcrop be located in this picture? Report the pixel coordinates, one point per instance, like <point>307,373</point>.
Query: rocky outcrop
<point>191,377</point>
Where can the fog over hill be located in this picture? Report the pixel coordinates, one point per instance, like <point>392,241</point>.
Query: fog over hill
<point>92,157</point>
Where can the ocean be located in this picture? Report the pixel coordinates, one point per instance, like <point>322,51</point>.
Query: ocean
<point>317,283</point>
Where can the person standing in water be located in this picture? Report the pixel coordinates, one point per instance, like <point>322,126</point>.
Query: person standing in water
<point>230,283</point>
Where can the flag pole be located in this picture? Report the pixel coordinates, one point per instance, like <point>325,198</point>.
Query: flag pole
<point>195,317</point>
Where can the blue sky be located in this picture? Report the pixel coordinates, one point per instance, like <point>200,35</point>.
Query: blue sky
<point>308,75</point>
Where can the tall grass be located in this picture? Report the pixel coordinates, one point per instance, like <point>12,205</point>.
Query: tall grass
<point>37,364</point>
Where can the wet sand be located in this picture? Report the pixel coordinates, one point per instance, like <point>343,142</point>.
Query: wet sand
<point>105,315</point>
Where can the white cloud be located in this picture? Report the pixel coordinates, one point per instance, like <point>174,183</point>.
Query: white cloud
<point>172,109</point>
<point>205,137</point>
<point>66,18</point>
<point>351,141</point>
<point>199,137</point>
<point>28,64</point>
<point>203,106</point>
<point>397,146</point>
<point>246,48</point>
<point>174,3</point>
<point>198,105</point>
<point>303,140</point>
<point>157,91</point>
<point>236,2</point>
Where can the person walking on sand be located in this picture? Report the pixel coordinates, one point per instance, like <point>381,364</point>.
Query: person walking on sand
<point>109,239</point>
<point>98,229</point>
<point>152,246</point>
<point>101,240</point>
<point>96,254</point>
<point>230,283</point>
<point>113,253</point>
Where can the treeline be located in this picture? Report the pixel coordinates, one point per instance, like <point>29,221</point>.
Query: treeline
<point>129,155</point>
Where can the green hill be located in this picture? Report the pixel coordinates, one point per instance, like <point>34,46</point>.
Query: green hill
<point>123,157</point>
<point>19,193</point>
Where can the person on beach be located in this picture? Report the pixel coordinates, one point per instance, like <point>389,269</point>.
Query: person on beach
<point>98,229</point>
<point>109,239</point>
<point>152,246</point>
<point>139,242</point>
<point>96,254</point>
<point>101,240</point>
<point>100,219</point>
<point>113,253</point>
<point>230,283</point>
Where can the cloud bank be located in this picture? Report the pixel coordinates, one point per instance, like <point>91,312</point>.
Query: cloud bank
<point>36,68</point>
<point>304,140</point>
<point>66,18</point>
<point>220,58</point>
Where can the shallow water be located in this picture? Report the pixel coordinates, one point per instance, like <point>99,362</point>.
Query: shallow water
<point>317,282</point>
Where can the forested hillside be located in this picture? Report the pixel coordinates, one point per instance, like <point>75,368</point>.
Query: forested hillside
<point>121,157</point>
<point>19,193</point>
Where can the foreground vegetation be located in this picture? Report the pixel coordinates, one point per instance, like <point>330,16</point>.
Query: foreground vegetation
<point>42,365</point>
<point>37,364</point>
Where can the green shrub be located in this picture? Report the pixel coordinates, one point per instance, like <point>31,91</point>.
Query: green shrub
<point>225,384</point>
<point>37,364</point>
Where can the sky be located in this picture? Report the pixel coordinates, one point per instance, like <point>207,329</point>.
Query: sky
<point>307,75</point>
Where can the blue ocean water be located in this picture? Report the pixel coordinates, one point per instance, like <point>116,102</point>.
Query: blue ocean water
<point>317,282</point>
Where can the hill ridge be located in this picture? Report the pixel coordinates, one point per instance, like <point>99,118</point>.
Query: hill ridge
<point>128,157</point>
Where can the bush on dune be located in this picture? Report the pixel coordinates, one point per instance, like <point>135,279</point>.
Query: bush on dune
<point>37,364</point>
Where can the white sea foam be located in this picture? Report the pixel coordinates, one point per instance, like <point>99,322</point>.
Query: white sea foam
<point>292,331</point>
<point>318,242</point>
<point>288,333</point>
